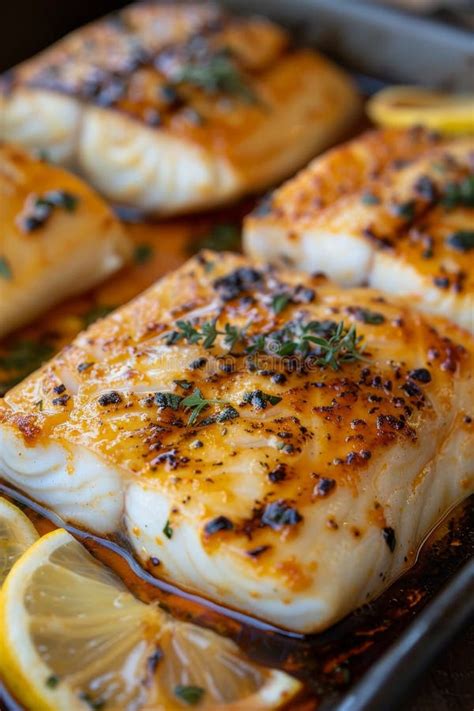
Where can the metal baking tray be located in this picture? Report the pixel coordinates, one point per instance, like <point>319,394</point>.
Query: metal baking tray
<point>386,645</point>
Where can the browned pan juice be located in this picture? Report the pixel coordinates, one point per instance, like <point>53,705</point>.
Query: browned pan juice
<point>328,663</point>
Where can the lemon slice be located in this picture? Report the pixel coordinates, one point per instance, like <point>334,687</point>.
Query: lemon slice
<point>17,533</point>
<point>73,638</point>
<point>404,106</point>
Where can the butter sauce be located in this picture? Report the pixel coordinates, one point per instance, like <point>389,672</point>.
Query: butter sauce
<point>328,663</point>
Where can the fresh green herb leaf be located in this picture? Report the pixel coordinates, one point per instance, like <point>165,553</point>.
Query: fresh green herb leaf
<point>209,333</point>
<point>143,253</point>
<point>52,681</point>
<point>191,695</point>
<point>167,530</point>
<point>280,302</point>
<point>232,335</point>
<point>335,343</point>
<point>462,241</point>
<point>95,313</point>
<point>5,269</point>
<point>188,332</point>
<point>197,403</point>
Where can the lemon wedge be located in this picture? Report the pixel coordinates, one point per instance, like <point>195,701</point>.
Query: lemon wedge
<point>404,106</point>
<point>73,638</point>
<point>17,533</point>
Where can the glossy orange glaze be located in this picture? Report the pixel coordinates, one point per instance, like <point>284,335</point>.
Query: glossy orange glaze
<point>390,188</point>
<point>38,255</point>
<point>363,409</point>
<point>164,246</point>
<point>130,62</point>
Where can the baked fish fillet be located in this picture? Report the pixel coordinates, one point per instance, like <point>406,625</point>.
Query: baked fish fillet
<point>171,108</point>
<point>233,426</point>
<point>57,237</point>
<point>394,209</point>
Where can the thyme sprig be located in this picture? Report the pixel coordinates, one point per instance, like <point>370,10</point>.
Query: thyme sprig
<point>206,334</point>
<point>327,343</point>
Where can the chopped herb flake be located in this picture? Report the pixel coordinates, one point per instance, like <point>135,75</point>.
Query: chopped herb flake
<point>168,400</point>
<point>191,695</point>
<point>167,530</point>
<point>143,253</point>
<point>225,237</point>
<point>280,302</point>
<point>260,400</point>
<point>462,241</point>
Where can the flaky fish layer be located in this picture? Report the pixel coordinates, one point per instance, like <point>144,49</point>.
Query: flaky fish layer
<point>171,108</point>
<point>262,437</point>
<point>57,237</point>
<point>394,209</point>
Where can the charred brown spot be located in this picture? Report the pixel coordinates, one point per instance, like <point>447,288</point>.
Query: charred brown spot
<point>258,551</point>
<point>279,514</point>
<point>111,398</point>
<point>421,374</point>
<point>237,282</point>
<point>220,523</point>
<point>278,474</point>
<point>324,487</point>
<point>389,537</point>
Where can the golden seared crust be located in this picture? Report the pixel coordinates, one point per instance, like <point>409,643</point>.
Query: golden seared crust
<point>151,61</point>
<point>364,406</point>
<point>57,237</point>
<point>220,102</point>
<point>346,170</point>
<point>274,442</point>
<point>406,194</point>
